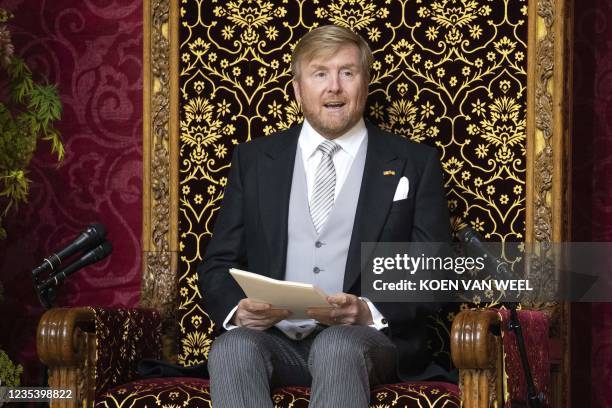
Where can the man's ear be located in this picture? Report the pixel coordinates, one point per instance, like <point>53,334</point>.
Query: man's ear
<point>296,91</point>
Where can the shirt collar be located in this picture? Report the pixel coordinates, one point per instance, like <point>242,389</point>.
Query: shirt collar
<point>310,139</point>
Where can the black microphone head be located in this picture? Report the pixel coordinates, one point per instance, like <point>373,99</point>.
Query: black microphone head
<point>92,236</point>
<point>102,251</point>
<point>96,230</point>
<point>92,256</point>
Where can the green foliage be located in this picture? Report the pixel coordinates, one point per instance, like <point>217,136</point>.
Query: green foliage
<point>10,373</point>
<point>27,117</point>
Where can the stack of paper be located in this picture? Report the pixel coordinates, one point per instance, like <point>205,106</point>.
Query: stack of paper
<point>295,296</point>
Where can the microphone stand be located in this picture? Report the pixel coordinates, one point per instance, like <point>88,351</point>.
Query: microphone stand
<point>45,296</point>
<point>534,400</point>
<point>470,237</point>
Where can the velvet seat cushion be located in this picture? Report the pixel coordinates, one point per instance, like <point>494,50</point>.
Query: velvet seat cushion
<point>194,393</point>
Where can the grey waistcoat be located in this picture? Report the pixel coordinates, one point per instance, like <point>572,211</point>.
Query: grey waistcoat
<point>321,259</point>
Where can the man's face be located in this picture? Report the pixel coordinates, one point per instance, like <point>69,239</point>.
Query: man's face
<point>332,90</point>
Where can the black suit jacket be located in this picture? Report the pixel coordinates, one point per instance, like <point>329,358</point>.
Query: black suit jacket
<point>251,230</point>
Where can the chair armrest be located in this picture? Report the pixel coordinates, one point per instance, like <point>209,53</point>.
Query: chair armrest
<point>476,351</point>
<point>61,333</point>
<point>91,349</point>
<point>65,343</point>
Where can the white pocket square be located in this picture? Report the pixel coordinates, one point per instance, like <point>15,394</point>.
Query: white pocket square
<point>401,192</point>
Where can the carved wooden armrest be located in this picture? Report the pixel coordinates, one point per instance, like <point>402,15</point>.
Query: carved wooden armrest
<point>476,350</point>
<point>89,350</point>
<point>66,345</point>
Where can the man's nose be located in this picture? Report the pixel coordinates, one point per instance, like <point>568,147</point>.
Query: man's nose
<point>334,85</point>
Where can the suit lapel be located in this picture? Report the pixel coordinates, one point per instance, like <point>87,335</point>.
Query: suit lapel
<point>275,173</point>
<point>375,199</point>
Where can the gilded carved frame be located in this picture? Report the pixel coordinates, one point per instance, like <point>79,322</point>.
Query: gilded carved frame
<point>160,143</point>
<point>547,154</point>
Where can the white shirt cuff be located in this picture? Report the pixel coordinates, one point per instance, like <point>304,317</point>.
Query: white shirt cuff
<point>379,320</point>
<point>226,323</point>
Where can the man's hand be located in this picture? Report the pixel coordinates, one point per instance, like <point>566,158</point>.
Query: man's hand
<point>347,309</point>
<point>258,315</point>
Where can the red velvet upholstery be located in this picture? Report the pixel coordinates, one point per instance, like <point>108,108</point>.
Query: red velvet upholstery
<point>535,331</point>
<point>406,394</point>
<point>194,393</point>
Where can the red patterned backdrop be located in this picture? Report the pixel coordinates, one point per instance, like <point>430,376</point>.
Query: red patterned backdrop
<point>592,189</point>
<point>93,50</point>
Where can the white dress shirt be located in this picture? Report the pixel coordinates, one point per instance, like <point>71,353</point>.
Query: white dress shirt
<point>308,142</point>
<point>349,144</point>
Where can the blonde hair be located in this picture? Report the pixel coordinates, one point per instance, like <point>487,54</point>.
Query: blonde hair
<point>326,40</point>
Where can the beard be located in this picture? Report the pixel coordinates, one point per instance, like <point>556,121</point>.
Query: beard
<point>332,126</point>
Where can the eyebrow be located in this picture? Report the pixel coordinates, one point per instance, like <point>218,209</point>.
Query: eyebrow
<point>323,67</point>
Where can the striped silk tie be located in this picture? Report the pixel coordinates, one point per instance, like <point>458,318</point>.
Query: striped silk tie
<point>322,199</point>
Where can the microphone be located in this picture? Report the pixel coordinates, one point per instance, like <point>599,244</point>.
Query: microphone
<point>97,254</point>
<point>93,235</point>
<point>474,240</point>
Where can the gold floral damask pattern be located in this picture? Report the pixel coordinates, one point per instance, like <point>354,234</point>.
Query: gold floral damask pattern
<point>406,395</point>
<point>124,337</point>
<point>449,73</point>
<point>158,392</point>
<point>194,392</point>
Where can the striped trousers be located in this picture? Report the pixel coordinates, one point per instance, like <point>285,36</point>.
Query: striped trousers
<point>339,363</point>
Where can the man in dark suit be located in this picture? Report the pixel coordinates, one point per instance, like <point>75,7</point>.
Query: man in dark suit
<point>297,206</point>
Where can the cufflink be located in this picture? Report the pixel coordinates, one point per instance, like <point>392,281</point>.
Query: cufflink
<point>383,321</point>
<point>389,173</point>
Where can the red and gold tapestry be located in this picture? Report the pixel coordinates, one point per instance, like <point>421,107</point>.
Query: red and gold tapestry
<point>449,73</point>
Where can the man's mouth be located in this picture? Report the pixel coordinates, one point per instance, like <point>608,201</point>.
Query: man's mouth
<point>334,105</point>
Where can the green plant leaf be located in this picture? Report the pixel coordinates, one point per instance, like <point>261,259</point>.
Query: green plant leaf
<point>56,144</point>
<point>21,80</point>
<point>45,102</point>
<point>28,115</point>
<point>16,192</point>
<point>10,374</point>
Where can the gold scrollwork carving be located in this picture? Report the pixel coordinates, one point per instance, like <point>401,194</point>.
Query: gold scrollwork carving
<point>159,281</point>
<point>544,122</point>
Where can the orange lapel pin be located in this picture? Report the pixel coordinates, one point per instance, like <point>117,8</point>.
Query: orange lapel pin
<point>389,173</point>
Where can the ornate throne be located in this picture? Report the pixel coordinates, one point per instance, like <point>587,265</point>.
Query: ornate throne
<point>485,81</point>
